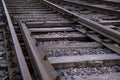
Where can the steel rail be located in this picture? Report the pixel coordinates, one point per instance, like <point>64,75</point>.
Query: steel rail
<point>88,6</point>
<point>110,2</point>
<point>40,64</point>
<point>106,2</point>
<point>21,60</point>
<point>101,29</point>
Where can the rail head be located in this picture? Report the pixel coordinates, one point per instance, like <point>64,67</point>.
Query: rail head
<point>21,60</point>
<point>40,64</point>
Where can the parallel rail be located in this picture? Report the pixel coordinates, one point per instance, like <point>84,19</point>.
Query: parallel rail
<point>108,2</point>
<point>87,6</point>
<point>21,60</point>
<point>112,34</point>
<point>43,67</point>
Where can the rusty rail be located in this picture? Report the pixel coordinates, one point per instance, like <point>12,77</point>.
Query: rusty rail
<point>105,31</point>
<point>43,67</point>
<point>21,60</point>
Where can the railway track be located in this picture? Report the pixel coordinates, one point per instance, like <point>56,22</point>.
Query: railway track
<point>113,0</point>
<point>52,43</point>
<point>109,2</point>
<point>12,60</point>
<point>92,11</point>
<point>94,5</point>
